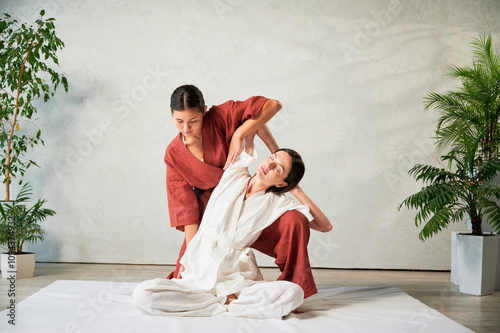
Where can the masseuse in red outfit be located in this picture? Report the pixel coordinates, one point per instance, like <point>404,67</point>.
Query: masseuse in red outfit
<point>208,142</point>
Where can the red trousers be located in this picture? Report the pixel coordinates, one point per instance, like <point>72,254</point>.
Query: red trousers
<point>286,240</point>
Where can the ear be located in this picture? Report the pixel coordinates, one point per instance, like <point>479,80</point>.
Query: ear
<point>204,110</point>
<point>283,184</point>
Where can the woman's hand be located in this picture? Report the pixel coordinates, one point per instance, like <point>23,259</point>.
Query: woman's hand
<point>269,109</point>
<point>181,269</point>
<point>296,191</point>
<point>235,149</point>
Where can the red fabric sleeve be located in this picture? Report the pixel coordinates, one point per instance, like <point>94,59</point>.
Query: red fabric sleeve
<point>183,206</point>
<point>230,115</point>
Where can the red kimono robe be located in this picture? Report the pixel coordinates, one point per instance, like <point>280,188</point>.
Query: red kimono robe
<point>190,183</point>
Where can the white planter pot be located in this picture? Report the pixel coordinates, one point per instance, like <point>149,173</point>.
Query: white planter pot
<point>454,261</point>
<point>476,262</point>
<point>22,264</point>
<point>497,275</point>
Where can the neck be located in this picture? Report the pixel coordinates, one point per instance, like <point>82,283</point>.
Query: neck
<point>192,138</point>
<point>254,186</point>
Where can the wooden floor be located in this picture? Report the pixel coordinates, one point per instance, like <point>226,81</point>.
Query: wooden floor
<point>481,314</point>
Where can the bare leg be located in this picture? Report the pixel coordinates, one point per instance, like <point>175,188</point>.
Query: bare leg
<point>298,310</point>
<point>231,298</point>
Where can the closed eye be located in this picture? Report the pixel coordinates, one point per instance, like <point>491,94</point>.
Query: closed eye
<point>280,168</point>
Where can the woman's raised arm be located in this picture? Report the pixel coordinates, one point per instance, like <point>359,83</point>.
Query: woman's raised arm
<point>320,222</point>
<point>269,109</point>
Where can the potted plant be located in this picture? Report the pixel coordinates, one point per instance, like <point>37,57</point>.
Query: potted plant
<point>27,53</point>
<point>469,127</point>
<point>18,225</point>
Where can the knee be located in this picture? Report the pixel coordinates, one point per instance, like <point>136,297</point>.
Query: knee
<point>295,290</point>
<point>139,294</point>
<point>295,222</point>
<point>291,292</point>
<point>142,296</point>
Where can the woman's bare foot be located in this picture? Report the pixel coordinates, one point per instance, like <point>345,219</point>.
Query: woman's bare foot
<point>231,298</point>
<point>298,310</point>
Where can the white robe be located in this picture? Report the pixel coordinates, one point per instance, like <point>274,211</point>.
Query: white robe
<point>218,261</point>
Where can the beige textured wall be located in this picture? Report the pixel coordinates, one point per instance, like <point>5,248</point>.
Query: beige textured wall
<point>351,76</point>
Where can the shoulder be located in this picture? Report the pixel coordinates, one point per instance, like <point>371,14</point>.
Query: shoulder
<point>243,161</point>
<point>219,112</point>
<point>279,197</point>
<point>284,202</point>
<point>221,107</point>
<point>173,148</point>
<point>232,104</point>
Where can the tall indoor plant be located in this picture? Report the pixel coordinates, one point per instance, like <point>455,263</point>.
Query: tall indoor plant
<point>468,128</point>
<point>27,55</point>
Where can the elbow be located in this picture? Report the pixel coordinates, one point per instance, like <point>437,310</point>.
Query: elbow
<point>324,226</point>
<point>274,105</point>
<point>327,228</point>
<point>278,105</point>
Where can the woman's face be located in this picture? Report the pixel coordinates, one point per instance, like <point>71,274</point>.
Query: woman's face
<point>189,122</point>
<point>274,169</point>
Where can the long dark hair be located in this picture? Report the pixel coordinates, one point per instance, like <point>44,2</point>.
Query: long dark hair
<point>187,97</point>
<point>294,175</point>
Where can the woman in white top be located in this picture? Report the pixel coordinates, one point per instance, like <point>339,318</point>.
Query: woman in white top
<point>221,276</point>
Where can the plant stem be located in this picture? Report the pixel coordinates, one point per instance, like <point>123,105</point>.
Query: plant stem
<point>475,220</point>
<point>14,122</point>
<point>476,228</point>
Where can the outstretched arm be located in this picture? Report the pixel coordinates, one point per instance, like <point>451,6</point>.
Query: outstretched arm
<point>267,137</point>
<point>189,232</point>
<point>320,222</point>
<point>269,109</point>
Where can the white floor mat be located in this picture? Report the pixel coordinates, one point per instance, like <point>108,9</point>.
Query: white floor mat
<point>89,306</point>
